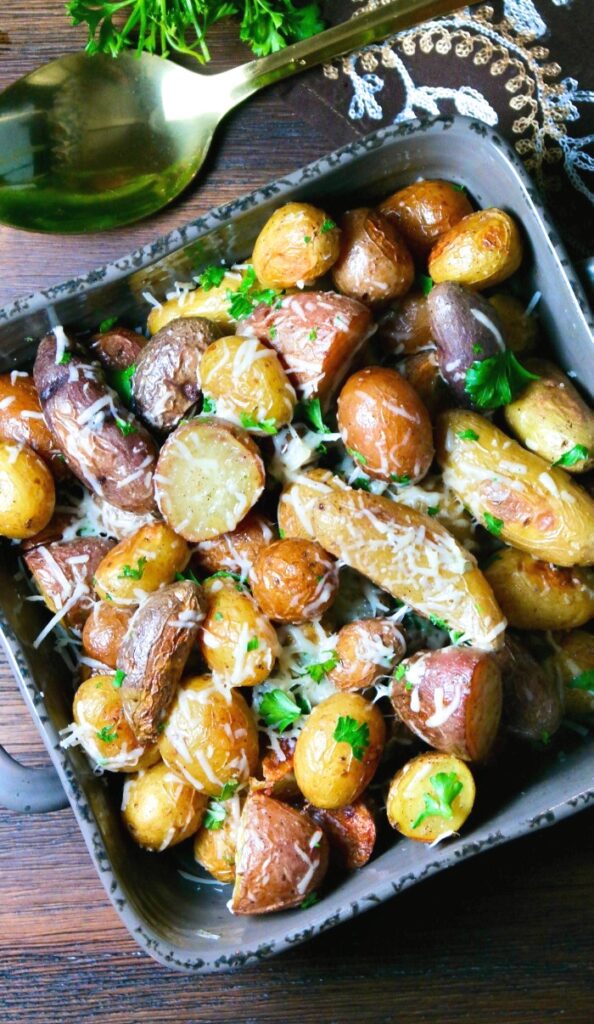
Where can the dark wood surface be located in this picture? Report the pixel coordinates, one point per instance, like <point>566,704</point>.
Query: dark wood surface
<point>505,939</point>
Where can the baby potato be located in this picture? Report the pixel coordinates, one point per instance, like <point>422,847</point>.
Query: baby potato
<point>351,833</point>
<point>439,502</point>
<point>210,736</point>
<point>215,848</point>
<point>551,418</point>
<point>235,551</point>
<point>278,773</point>
<point>294,580</point>
<point>385,426</point>
<point>425,210</point>
<point>27,492</point>
<point>101,729</point>
<point>366,649</point>
<point>141,564</point>
<point>298,498</point>
<point>248,383</point>
<point>209,302</point>
<point>515,494</point>
<point>532,700</point>
<point>430,797</point>
<point>422,373</point>
<point>537,595</point>
<point>572,667</point>
<point>374,265</point>
<point>298,244</point>
<point>104,631</point>
<point>405,328</point>
<point>520,329</point>
<point>481,250</point>
<point>63,574</point>
<point>118,348</point>
<point>237,641</point>
<point>21,420</point>
<point>161,810</point>
<point>338,750</point>
<point>466,329</point>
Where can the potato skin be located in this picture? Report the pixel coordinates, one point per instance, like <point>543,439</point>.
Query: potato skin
<point>21,421</point>
<point>532,701</point>
<point>573,655</point>
<point>452,699</point>
<point>119,348</point>
<point>154,652</point>
<point>237,550</point>
<point>298,498</point>
<point>550,417</point>
<point>58,569</point>
<point>215,848</point>
<point>366,649</point>
<point>519,329</point>
<point>282,857</point>
<point>541,510</point>
<point>160,809</point>
<point>27,492</point>
<point>409,786</point>
<point>382,419</point>
<point>294,580</point>
<point>425,210</point>
<point>246,378</point>
<point>327,772</point>
<point>466,329</point>
<point>98,706</point>
<point>374,265</point>
<point>295,246</point>
<point>422,373</point>
<point>154,554</point>
<point>481,250</point>
<point>232,624</point>
<point>278,774</point>
<point>405,327</point>
<point>104,631</point>
<point>537,595</point>
<point>351,833</point>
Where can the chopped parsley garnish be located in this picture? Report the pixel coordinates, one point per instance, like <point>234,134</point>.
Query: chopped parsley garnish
<point>361,483</point>
<point>107,734</point>
<point>477,349</point>
<point>118,679</point>
<point>319,669</point>
<point>433,510</point>
<point>243,301</point>
<point>400,672</point>
<point>307,239</point>
<point>229,789</point>
<point>402,480</point>
<point>65,358</point>
<point>312,410</point>
<point>211,277</point>
<point>121,381</point>
<point>309,901</point>
<point>162,727</point>
<point>459,188</point>
<point>579,453</point>
<point>585,681</point>
<point>356,734</point>
<point>218,616</point>
<point>493,524</point>
<point>224,574</point>
<point>496,381</point>
<point>312,334</point>
<point>467,435</point>
<point>446,786</point>
<point>107,324</point>
<point>357,456</point>
<point>187,576</point>
<point>279,709</point>
<point>272,333</point>
<point>215,815</point>
<point>438,623</point>
<point>125,428</point>
<point>208,404</point>
<point>281,533</point>
<point>251,423</point>
<point>328,225</point>
<point>128,573</point>
<point>253,644</point>
<point>424,283</point>
<point>545,737</point>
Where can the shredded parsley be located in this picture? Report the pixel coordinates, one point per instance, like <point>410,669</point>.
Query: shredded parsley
<point>493,524</point>
<point>211,277</point>
<point>424,283</point>
<point>361,483</point>
<point>319,669</point>
<point>187,576</point>
<point>307,239</point>
<point>400,672</point>
<point>243,301</point>
<point>128,573</point>
<point>446,786</point>
<point>118,679</point>
<point>403,480</point>
<point>251,423</point>
<point>214,816</point>
<point>432,510</point>
<point>107,324</point>
<point>312,334</point>
<point>467,435</point>
<point>309,901</point>
<point>357,456</point>
<point>121,381</point>
<point>579,453</point>
<point>356,734</point>
<point>328,225</point>
<point>253,644</point>
<point>312,410</point>
<point>279,709</point>
<point>208,404</point>
<point>496,381</point>
<point>107,734</point>
<point>65,358</point>
<point>124,427</point>
<point>585,681</point>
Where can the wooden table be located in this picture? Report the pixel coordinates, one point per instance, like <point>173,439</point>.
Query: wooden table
<point>505,939</point>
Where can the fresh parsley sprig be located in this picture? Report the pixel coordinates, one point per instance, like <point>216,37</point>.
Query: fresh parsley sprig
<point>216,812</point>
<point>446,786</point>
<point>496,381</point>
<point>279,709</point>
<point>579,453</point>
<point>356,734</point>
<point>129,573</point>
<point>244,300</point>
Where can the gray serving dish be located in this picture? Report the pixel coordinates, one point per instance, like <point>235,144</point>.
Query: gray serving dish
<point>184,924</point>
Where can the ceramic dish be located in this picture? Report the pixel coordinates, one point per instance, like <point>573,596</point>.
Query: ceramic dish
<point>184,923</point>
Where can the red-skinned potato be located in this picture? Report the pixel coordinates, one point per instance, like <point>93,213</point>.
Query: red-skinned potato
<point>405,327</point>
<point>118,348</point>
<point>425,210</point>
<point>104,631</point>
<point>532,701</point>
<point>452,699</point>
<point>374,265</point>
<point>366,649</point>
<point>65,569</point>
<point>351,833</point>
<point>294,580</point>
<point>21,420</point>
<point>237,550</point>
<point>422,373</point>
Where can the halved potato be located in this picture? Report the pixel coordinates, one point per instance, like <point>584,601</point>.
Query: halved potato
<point>351,833</point>
<point>430,797</point>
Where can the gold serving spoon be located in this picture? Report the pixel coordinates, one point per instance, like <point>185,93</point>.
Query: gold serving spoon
<point>89,143</point>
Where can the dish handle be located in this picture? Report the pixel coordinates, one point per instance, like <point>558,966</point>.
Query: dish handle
<point>29,790</point>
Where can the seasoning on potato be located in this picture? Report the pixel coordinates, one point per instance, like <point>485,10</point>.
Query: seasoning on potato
<point>27,492</point>
<point>298,499</point>
<point>374,265</point>
<point>537,595</point>
<point>294,580</point>
<point>101,729</point>
<point>431,797</point>
<point>247,383</point>
<point>351,833</point>
<point>160,809</point>
<point>140,564</point>
<point>426,210</point>
<point>481,250</point>
<point>367,649</point>
<point>298,244</point>
<point>236,639</point>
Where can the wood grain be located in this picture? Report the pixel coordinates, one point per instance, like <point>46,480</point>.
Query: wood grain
<point>505,939</point>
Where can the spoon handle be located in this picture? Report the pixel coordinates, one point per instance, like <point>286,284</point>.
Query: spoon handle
<point>389,17</point>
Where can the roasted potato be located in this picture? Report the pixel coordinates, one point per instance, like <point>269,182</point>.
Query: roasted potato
<point>514,493</point>
<point>538,595</point>
<point>166,382</point>
<point>385,426</point>
<point>215,848</point>
<point>405,328</point>
<point>297,244</point>
<point>209,301</point>
<point>141,564</point>
<point>118,348</point>
<point>154,652</point>
<point>160,809</point>
<point>118,523</point>
<point>338,750</point>
<point>351,833</point>
<point>438,501</point>
<point>61,524</point>
<point>194,498</point>
<point>412,557</point>
<point>571,666</point>
<point>532,700</point>
<point>27,492</point>
<point>425,210</point>
<point>298,499</point>
<point>236,640</point>
<point>235,551</point>
<point>422,373</point>
<point>101,729</point>
<point>21,420</point>
<point>481,250</point>
<point>452,699</point>
<point>278,773</point>
<point>366,649</point>
<point>467,330</point>
<point>317,336</point>
<point>210,736</point>
<point>520,329</point>
<point>294,580</point>
<point>248,383</point>
<point>551,418</point>
<point>104,631</point>
<point>109,451</point>
<point>63,574</point>
<point>282,857</point>
<point>374,264</point>
<point>430,797</point>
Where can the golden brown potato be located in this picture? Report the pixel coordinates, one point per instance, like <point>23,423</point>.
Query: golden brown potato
<point>520,330</point>
<point>297,244</point>
<point>294,580</point>
<point>366,649</point>
<point>101,729</point>
<point>160,809</point>
<point>481,250</point>
<point>425,210</point>
<point>385,426</point>
<point>515,494</point>
<point>532,700</point>
<point>405,329</point>
<point>351,833</point>
<point>278,773</point>
<point>141,564</point>
<point>537,595</point>
<point>210,737</point>
<point>422,373</point>
<point>374,265</point>
<point>237,641</point>
<point>209,302</point>
<point>571,666</point>
<point>237,550</point>
<point>338,750</point>
<point>104,631</point>
<point>247,382</point>
<point>551,418</point>
<point>118,348</point>
<point>194,499</point>
<point>63,574</point>
<point>438,501</point>
<point>21,420</point>
<point>298,499</point>
<point>27,492</point>
<point>430,797</point>
<point>215,848</point>
<point>282,857</point>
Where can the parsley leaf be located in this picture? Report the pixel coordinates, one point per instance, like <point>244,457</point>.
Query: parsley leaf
<point>424,283</point>
<point>312,410</point>
<point>278,709</point>
<point>187,575</point>
<point>317,670</point>
<point>493,524</point>
<point>402,480</point>
<point>107,734</point>
<point>467,435</point>
<point>356,734</point>
<point>252,644</point>
<point>211,277</point>
<point>432,510</point>
<point>496,381</point>
<point>578,453</point>
<point>124,427</point>
<point>585,681</point>
<point>328,225</point>
<point>251,423</point>
<point>118,679</point>
<point>400,672</point>
<point>214,816</point>
<point>243,301</point>
<point>446,786</point>
<point>107,324</point>
<point>65,358</point>
<point>121,381</point>
<point>229,789</point>
<point>361,484</point>
<point>128,573</point>
<point>309,901</point>
<point>357,456</point>
<point>208,404</point>
<point>307,239</point>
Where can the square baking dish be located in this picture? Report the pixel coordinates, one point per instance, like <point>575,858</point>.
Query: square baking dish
<point>183,923</point>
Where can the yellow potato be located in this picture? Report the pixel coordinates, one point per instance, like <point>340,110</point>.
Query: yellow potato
<point>237,550</point>
<point>298,244</point>
<point>102,730</point>
<point>141,564</point>
<point>425,210</point>
<point>298,499</point>
<point>21,420</point>
<point>433,498</point>
<point>515,494</point>
<point>210,737</point>
<point>27,492</point>
<point>375,265</point>
<point>294,580</point>
<point>481,250</point>
<point>247,382</point>
<point>211,303</point>
<point>430,797</point>
<point>215,848</point>
<point>572,667</point>
<point>331,771</point>
<point>237,641</point>
<point>537,595</point>
<point>520,329</point>
<point>160,809</point>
